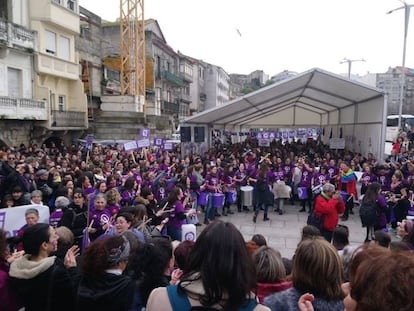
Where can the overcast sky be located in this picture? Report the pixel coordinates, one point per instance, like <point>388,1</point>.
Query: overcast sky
<point>272,35</point>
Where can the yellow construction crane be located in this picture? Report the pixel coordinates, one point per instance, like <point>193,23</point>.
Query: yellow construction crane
<point>132,47</point>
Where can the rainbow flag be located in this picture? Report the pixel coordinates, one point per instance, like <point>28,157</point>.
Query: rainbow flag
<point>348,176</point>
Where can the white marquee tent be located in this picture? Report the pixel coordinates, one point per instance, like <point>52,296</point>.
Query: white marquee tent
<point>315,98</point>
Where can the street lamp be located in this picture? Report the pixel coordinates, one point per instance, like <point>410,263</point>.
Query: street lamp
<point>350,61</point>
<point>407,8</point>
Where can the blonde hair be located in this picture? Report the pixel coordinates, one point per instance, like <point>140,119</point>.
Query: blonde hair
<point>112,196</point>
<point>269,265</point>
<point>66,237</point>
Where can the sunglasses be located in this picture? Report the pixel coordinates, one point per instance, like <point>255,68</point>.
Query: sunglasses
<point>12,158</point>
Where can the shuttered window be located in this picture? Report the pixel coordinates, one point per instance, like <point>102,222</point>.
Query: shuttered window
<point>14,82</point>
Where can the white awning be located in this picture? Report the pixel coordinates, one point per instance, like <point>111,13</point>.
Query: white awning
<point>312,98</point>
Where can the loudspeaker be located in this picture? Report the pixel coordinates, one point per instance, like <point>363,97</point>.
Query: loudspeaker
<point>199,134</point>
<point>185,134</point>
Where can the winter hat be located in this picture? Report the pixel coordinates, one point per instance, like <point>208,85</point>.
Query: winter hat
<point>41,172</point>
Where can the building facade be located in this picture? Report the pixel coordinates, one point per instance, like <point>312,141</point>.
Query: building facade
<point>57,75</point>
<point>390,82</point>
<point>217,86</point>
<point>19,111</point>
<point>89,46</point>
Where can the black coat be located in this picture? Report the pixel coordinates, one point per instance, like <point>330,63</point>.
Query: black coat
<point>108,293</point>
<point>75,218</point>
<point>61,287</point>
<point>262,193</point>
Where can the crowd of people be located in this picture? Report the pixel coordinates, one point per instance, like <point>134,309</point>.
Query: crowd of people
<point>113,241</point>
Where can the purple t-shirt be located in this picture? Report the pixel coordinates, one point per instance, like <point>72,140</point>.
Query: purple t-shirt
<point>99,218</point>
<point>320,179</point>
<point>55,217</point>
<point>211,181</point>
<point>333,171</point>
<point>242,176</point>
<point>306,178</point>
<point>367,179</point>
<point>385,181</point>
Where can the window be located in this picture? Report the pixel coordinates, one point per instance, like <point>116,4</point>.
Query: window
<point>64,48</point>
<point>158,66</point>
<point>61,103</point>
<point>50,44</point>
<point>71,5</point>
<point>112,75</point>
<point>85,31</point>
<point>158,93</point>
<point>14,82</point>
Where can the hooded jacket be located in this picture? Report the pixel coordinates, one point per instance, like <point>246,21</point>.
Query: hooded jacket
<point>35,282</point>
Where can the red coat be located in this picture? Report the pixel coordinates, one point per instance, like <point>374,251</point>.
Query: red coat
<point>330,209</point>
<point>265,289</point>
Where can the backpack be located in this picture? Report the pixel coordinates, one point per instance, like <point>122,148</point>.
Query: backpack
<point>368,213</point>
<point>180,302</point>
<point>46,190</point>
<point>315,220</point>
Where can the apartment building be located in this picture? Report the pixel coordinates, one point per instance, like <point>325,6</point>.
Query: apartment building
<point>57,71</point>
<point>217,86</point>
<point>19,111</point>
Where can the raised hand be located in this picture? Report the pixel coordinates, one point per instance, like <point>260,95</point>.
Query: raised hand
<point>70,257</point>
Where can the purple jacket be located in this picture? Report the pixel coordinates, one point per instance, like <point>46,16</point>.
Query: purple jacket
<point>382,206</point>
<point>176,220</point>
<point>7,297</point>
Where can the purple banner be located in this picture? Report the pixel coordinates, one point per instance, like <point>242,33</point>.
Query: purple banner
<point>145,133</point>
<point>158,141</point>
<point>168,146</point>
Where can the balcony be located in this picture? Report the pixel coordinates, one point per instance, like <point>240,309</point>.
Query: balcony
<point>22,109</point>
<point>61,13</point>
<point>68,119</point>
<point>56,67</point>
<point>170,77</point>
<point>186,77</point>
<point>16,36</point>
<point>168,108</point>
<point>185,98</point>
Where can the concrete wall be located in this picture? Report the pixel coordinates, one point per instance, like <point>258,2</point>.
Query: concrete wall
<point>14,133</point>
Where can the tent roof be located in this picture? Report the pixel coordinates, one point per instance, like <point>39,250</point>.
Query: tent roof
<point>300,100</point>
